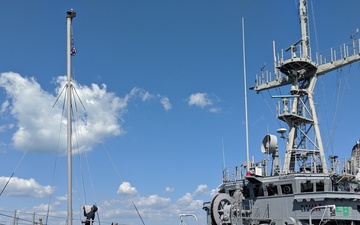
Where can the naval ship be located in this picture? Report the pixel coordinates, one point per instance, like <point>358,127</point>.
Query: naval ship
<point>302,189</point>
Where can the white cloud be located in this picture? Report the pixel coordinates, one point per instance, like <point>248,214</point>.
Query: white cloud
<point>201,189</point>
<point>107,203</point>
<point>41,208</point>
<point>166,103</point>
<point>169,189</point>
<point>153,200</point>
<point>203,100</point>
<point>215,109</point>
<point>29,105</point>
<point>186,199</point>
<point>126,188</point>
<point>24,188</point>
<point>62,198</point>
<point>37,124</point>
<point>4,106</point>
<point>154,208</point>
<point>199,99</point>
<point>213,192</point>
<point>145,96</point>
<point>141,93</point>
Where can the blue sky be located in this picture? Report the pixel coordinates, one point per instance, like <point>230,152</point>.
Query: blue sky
<point>162,85</point>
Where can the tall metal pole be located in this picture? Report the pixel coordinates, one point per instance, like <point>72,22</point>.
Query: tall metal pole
<point>245,101</point>
<point>70,15</point>
<point>305,40</point>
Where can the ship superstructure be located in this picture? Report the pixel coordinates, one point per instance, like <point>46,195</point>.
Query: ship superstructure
<point>303,190</point>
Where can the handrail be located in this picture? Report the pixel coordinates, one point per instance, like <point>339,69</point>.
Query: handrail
<point>18,217</point>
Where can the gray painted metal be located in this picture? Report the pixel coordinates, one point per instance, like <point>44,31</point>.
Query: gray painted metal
<point>310,193</point>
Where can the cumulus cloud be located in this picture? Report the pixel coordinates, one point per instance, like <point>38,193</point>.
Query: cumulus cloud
<point>30,106</point>
<point>213,192</point>
<point>188,198</point>
<point>185,199</point>
<point>98,115</point>
<point>201,189</point>
<point>24,188</point>
<point>203,100</point>
<point>153,200</point>
<point>154,208</point>
<point>166,103</point>
<point>44,207</point>
<point>169,189</point>
<point>127,189</point>
<point>199,99</point>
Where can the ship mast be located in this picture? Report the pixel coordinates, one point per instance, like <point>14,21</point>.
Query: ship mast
<point>70,15</point>
<point>298,109</point>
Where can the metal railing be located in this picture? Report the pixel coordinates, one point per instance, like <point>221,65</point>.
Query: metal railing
<point>340,167</point>
<point>335,53</point>
<point>18,217</point>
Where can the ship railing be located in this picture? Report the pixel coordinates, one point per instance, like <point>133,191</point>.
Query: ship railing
<point>339,52</point>
<point>285,107</point>
<point>321,57</point>
<point>324,56</point>
<point>231,174</point>
<point>263,169</point>
<point>18,217</point>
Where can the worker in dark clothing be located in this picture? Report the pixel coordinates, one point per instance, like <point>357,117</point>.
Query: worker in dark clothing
<point>90,216</point>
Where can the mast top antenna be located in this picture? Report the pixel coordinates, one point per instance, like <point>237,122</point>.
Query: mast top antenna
<point>70,14</point>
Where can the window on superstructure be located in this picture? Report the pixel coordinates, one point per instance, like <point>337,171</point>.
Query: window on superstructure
<point>307,186</point>
<point>320,186</point>
<point>272,189</point>
<point>258,191</point>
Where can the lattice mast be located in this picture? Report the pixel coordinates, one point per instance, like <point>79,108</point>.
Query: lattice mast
<point>298,111</point>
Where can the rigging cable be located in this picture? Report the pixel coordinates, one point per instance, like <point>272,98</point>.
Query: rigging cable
<point>331,131</point>
<point>108,154</point>
<point>23,156</point>
<point>315,29</point>
<point>339,95</point>
<point>55,163</point>
<point>80,165</point>
<point>267,103</point>
<point>120,178</point>
<point>73,53</point>
<point>138,214</point>
<point>25,153</point>
<point>79,153</point>
<point>76,133</point>
<point>7,183</point>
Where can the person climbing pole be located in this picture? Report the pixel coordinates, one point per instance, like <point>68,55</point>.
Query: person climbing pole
<point>90,216</point>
